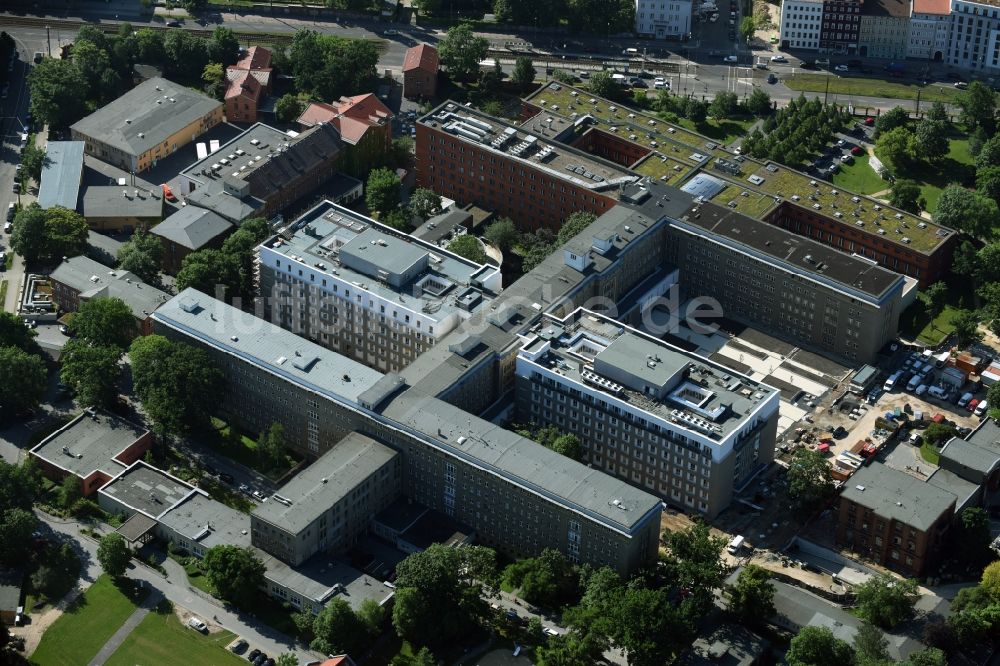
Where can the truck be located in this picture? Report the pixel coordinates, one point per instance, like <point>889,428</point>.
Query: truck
<point>953,376</point>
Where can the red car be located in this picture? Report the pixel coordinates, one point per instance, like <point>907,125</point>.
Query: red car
<point>857,150</point>
<point>971,405</point>
<point>869,121</point>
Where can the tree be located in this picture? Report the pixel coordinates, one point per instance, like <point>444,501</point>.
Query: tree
<point>16,527</point>
<point>963,210</point>
<point>66,233</point>
<point>238,254</point>
<point>288,108</point>
<point>696,110</point>
<point>988,182</point>
<point>573,225</point>
<point>32,160</point>
<point>213,76</point>
<point>938,113</point>
<point>400,218</point>
<point>468,246</point>
<point>939,634</point>
<point>524,72</point>
<point>972,538</point>
<point>142,255</point>
<point>210,271</point>
<point>57,573</point>
<point>372,615</point>
<point>382,192</point>
<point>439,593</point>
<point>425,203</point>
<point>989,154</point>
<point>885,601</point>
<point>928,657</point>
<point>237,574</point>
<point>693,561</point>
<point>817,646</point>
<point>895,146</point>
<point>271,446</point>
<point>27,236</point>
<point>993,398</point>
<point>870,646</point>
<point>935,297</point>
<point>966,327</point>
<point>938,433</point>
<point>287,659</point>
<point>22,379</point>
<point>113,553</point>
<point>106,322</point>
<point>69,491</point>
<point>178,384</point>
<point>759,103</point>
<point>502,233</point>
<point>185,55</point>
<point>810,485</point>
<point>751,598</point>
<point>545,580</point>
<point>978,104</point>
<point>92,370</point>
<point>964,260</point>
<point>905,194</point>
<point>602,85</point>
<point>461,51</point>
<point>13,333</point>
<point>890,120</point>
<point>149,45</point>
<point>748,26</point>
<point>224,47</point>
<point>338,629</point>
<point>51,83</point>
<point>568,650</point>
<point>930,140</point>
<point>422,658</point>
<point>725,105</point>
<point>20,485</point>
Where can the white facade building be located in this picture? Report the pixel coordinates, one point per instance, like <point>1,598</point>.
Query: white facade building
<point>929,26</point>
<point>801,21</point>
<point>974,36</point>
<point>662,19</point>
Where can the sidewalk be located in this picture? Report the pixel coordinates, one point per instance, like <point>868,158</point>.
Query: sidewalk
<point>15,276</point>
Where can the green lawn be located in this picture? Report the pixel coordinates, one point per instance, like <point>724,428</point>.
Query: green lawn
<point>864,87</point>
<point>859,177</point>
<point>930,453</point>
<point>3,294</point>
<point>956,167</point>
<point>82,631</point>
<point>723,131</point>
<point>245,452</point>
<point>161,640</point>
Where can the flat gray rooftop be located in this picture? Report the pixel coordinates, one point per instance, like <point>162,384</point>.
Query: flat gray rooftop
<point>821,262</point>
<point>118,201</point>
<point>898,496</point>
<point>209,523</point>
<point>318,577</point>
<point>265,345</point>
<point>95,280</point>
<point>320,486</point>
<point>146,116</point>
<point>62,173</point>
<point>523,462</point>
<point>360,251</point>
<point>147,489</point>
<point>653,375</point>
<point>90,443</point>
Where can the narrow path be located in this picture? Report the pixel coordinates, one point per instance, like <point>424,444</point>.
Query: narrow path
<point>131,623</point>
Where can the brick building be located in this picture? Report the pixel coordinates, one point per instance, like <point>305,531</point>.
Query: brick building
<point>420,72</point>
<point>841,26</point>
<point>365,127</point>
<point>248,83</point>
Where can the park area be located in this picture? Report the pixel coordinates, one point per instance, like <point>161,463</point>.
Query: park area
<point>865,87</point>
<point>933,177</point>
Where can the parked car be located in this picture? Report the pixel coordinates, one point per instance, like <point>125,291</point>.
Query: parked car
<point>961,85</point>
<point>253,654</point>
<point>729,58</point>
<point>259,496</point>
<point>391,33</point>
<point>198,625</point>
<point>771,78</point>
<point>17,187</point>
<point>239,645</point>
<point>779,58</point>
<point>971,405</point>
<point>173,24</point>
<point>857,150</point>
<point>659,82</point>
<point>847,159</point>
<point>869,121</point>
<point>841,68</point>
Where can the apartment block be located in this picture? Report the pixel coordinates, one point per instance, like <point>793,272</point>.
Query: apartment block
<point>661,19</point>
<point>897,520</point>
<point>841,26</point>
<point>471,157</point>
<point>884,31</point>
<point>661,418</point>
<point>330,504</point>
<point>517,495</point>
<point>370,292</point>
<point>974,37</point>
<point>147,123</point>
<point>800,289</point>
<point>930,22</point>
<point>801,24</point>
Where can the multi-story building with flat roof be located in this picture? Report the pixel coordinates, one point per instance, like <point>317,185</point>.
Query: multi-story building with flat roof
<point>799,289</point>
<point>661,418</point>
<point>974,36</point>
<point>366,290</point>
<point>930,23</point>
<point>841,26</point>
<point>471,157</point>
<point>672,155</point>
<point>517,495</point>
<point>801,24</point>
<point>147,123</point>
<point>663,20</point>
<point>331,503</point>
<point>884,31</point>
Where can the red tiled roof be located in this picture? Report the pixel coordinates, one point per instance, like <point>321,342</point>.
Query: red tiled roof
<point>342,660</point>
<point>421,56</point>
<point>932,7</point>
<point>246,84</point>
<point>257,57</point>
<point>352,116</point>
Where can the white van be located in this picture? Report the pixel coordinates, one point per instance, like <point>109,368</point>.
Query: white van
<point>890,383</point>
<point>630,52</point>
<point>735,545</point>
<point>981,409</point>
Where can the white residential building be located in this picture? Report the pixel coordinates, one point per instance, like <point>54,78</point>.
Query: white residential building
<point>662,19</point>
<point>974,36</point>
<point>801,21</point>
<point>929,26</point>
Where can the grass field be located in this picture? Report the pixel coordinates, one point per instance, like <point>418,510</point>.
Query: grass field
<point>860,87</point>
<point>859,177</point>
<point>930,453</point>
<point>723,131</point>
<point>161,640</point>
<point>955,167</point>
<point>82,631</point>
